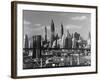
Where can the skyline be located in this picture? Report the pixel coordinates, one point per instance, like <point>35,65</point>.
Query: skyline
<point>35,22</point>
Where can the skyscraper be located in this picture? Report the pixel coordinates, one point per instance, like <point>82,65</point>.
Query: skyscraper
<point>37,46</point>
<point>34,47</point>
<point>56,40</point>
<point>74,41</point>
<point>26,41</point>
<point>26,44</point>
<point>68,40</point>
<point>68,34</point>
<point>62,30</point>
<point>52,32</point>
<point>77,36</point>
<point>89,41</point>
<point>89,36</point>
<point>45,33</point>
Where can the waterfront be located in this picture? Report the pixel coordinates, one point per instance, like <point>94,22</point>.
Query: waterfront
<point>59,58</point>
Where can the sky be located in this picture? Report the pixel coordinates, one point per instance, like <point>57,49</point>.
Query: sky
<point>34,22</point>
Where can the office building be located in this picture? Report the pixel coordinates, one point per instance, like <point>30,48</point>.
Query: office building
<point>45,33</point>
<point>89,41</point>
<point>26,45</point>
<point>52,32</point>
<point>37,46</point>
<point>62,30</point>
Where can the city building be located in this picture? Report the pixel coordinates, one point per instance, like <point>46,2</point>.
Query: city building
<point>38,51</point>
<point>45,33</point>
<point>36,46</point>
<point>89,41</point>
<point>52,32</point>
<point>77,35</point>
<point>73,41</point>
<point>68,40</point>
<point>62,30</point>
<point>26,44</point>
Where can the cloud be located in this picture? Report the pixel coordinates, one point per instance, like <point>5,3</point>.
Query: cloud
<point>39,28</point>
<point>71,26</point>
<point>79,18</point>
<point>37,24</point>
<point>27,22</point>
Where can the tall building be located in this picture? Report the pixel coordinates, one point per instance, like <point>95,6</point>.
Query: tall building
<point>26,41</point>
<point>77,36</point>
<point>37,46</point>
<point>74,41</point>
<point>26,44</point>
<point>56,40</point>
<point>68,40</point>
<point>45,33</point>
<point>34,47</point>
<point>89,35</point>
<point>62,30</point>
<point>89,41</point>
<point>68,34</point>
<point>31,43</point>
<point>62,43</point>
<point>52,32</point>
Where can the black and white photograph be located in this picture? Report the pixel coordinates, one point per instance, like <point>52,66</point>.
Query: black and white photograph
<point>56,39</point>
<point>53,39</point>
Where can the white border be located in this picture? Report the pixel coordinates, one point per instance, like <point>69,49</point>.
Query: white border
<point>31,72</point>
